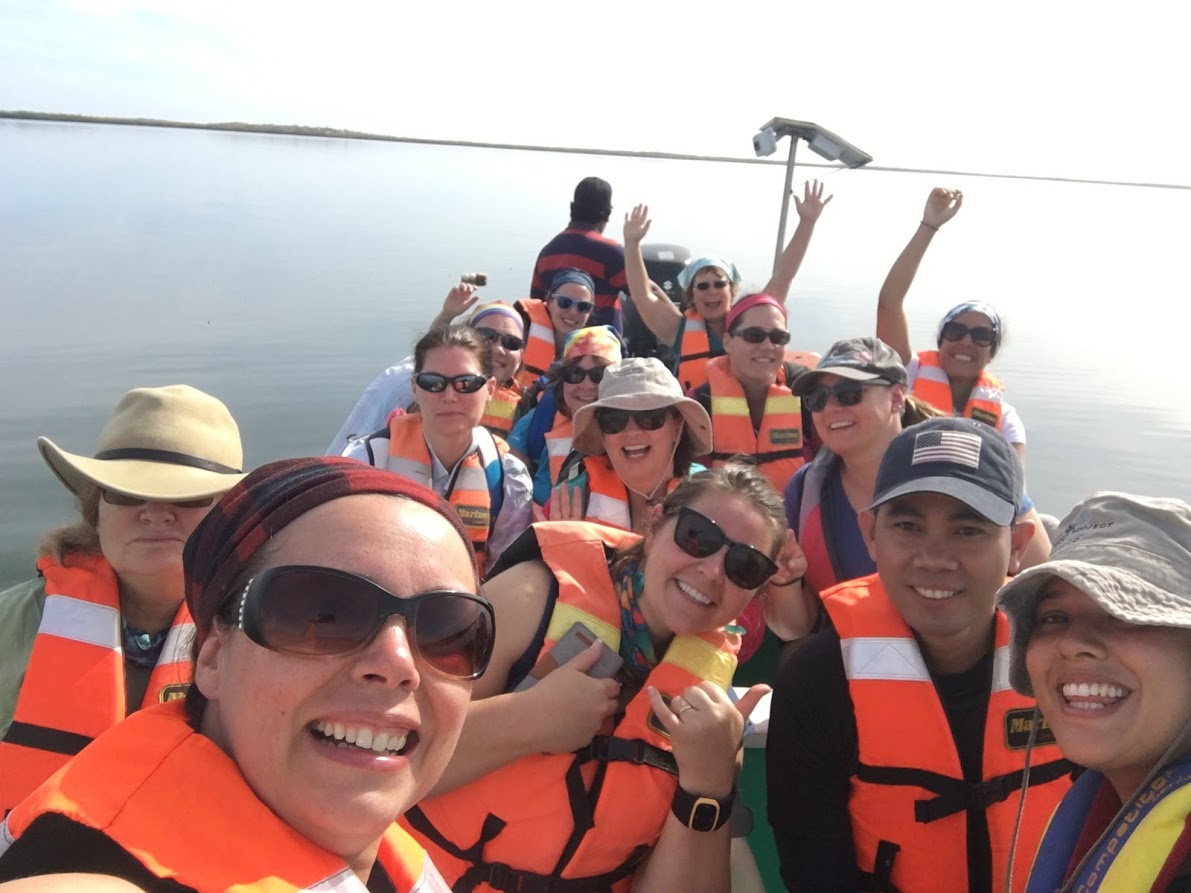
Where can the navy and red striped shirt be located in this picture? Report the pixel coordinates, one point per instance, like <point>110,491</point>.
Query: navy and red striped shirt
<point>585,248</point>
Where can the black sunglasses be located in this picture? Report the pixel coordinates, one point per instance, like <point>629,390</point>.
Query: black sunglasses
<point>508,342</point>
<point>321,611</point>
<point>111,497</point>
<point>982,336</point>
<point>575,374</point>
<point>467,383</point>
<point>613,421</point>
<point>699,536</point>
<point>846,393</point>
<point>565,303</point>
<point>756,334</point>
<point>714,283</point>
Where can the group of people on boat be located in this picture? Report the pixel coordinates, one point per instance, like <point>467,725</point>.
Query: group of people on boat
<point>487,642</point>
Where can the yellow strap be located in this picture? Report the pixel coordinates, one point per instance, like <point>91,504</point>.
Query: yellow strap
<point>700,658</point>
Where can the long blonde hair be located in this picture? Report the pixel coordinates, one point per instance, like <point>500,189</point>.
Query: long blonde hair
<point>81,536</point>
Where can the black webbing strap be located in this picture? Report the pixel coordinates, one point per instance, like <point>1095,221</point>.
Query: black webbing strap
<point>610,749</point>
<point>880,880</point>
<point>44,738</point>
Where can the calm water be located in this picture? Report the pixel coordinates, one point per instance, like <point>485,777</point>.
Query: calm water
<point>281,273</point>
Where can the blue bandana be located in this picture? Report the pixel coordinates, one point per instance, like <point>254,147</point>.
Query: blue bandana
<point>570,274</point>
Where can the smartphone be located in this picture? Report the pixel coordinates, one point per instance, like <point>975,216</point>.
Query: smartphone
<point>576,639</point>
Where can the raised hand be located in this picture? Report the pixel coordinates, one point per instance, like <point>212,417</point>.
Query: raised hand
<point>941,205</point>
<point>460,298</point>
<point>636,224</point>
<point>812,203</point>
<point>575,703</point>
<point>566,503</point>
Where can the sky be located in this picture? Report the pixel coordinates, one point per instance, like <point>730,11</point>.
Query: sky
<point>1048,87</point>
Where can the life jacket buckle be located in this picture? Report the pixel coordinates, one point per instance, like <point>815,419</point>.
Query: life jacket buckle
<point>510,880</point>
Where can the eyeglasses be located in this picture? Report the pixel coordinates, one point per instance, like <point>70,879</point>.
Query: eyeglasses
<point>508,342</point>
<point>321,611</point>
<point>565,303</point>
<point>756,335</point>
<point>466,383</point>
<point>713,283</point>
<point>846,393</point>
<point>699,536</point>
<point>613,421</point>
<point>575,374</point>
<point>111,497</point>
<point>982,336</point>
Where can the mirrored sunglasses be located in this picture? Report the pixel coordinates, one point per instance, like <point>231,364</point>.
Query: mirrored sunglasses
<point>756,334</point>
<point>321,611</point>
<point>712,283</point>
<point>466,383</point>
<point>575,374</point>
<point>111,497</point>
<point>613,421</point>
<point>508,342</point>
<point>566,303</point>
<point>846,393</point>
<point>699,536</point>
<point>982,336</point>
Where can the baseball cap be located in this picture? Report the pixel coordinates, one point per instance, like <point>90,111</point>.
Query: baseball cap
<point>860,359</point>
<point>961,458</point>
<point>1130,554</point>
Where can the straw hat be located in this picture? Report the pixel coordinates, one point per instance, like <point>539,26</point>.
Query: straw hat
<point>173,443</point>
<point>635,384</point>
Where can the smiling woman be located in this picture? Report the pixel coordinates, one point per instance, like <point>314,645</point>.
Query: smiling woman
<point>337,634</point>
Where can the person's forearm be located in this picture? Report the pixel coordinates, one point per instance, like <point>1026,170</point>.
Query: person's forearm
<point>790,261</point>
<point>892,327</point>
<point>791,611</point>
<point>691,861</point>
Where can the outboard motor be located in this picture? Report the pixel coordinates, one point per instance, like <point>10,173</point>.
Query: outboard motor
<point>663,262</point>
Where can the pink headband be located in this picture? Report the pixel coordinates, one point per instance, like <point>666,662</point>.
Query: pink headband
<point>747,303</point>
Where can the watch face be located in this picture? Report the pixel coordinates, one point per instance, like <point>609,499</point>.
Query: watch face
<point>705,816</point>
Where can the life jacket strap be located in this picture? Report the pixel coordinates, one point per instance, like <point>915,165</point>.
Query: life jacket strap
<point>700,355</point>
<point>762,457</point>
<point>610,749</point>
<point>44,738</point>
<point>880,879</point>
<point>507,879</point>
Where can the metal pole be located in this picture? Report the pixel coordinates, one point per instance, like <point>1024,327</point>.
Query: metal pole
<point>781,227</point>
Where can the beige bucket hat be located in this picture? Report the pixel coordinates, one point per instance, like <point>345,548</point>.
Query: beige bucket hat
<point>640,383</point>
<point>173,444</point>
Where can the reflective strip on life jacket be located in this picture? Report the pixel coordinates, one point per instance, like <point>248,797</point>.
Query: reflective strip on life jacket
<point>540,349</point>
<point>559,445</point>
<point>933,386</point>
<point>498,415</point>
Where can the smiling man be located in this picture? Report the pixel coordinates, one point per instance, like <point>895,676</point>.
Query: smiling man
<point>895,742</point>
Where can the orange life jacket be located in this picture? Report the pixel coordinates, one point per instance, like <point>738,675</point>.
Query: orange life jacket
<point>540,349</point>
<point>777,446</point>
<point>909,800</point>
<point>221,837</point>
<point>592,815</point>
<point>607,496</point>
<point>476,479</point>
<point>73,688</point>
<point>694,350</point>
<point>498,414</point>
<point>558,445</point>
<point>933,386</point>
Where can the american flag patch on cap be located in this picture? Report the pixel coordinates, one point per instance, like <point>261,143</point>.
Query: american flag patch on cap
<point>958,447</point>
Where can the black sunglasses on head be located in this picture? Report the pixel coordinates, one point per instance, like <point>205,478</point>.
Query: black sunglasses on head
<point>699,536</point>
<point>613,421</point>
<point>982,336</point>
<point>467,383</point>
<point>712,283</point>
<point>846,393</point>
<point>322,611</point>
<point>508,342</point>
<point>565,303</point>
<point>575,374</point>
<point>756,334</point>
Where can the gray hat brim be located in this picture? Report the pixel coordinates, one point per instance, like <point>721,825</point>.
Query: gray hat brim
<point>1118,592</point>
<point>999,511</point>
<point>806,383</point>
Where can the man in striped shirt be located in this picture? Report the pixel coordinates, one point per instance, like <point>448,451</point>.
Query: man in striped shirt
<point>584,246</point>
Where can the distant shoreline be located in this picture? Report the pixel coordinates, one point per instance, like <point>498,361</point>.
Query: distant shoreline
<point>337,133</point>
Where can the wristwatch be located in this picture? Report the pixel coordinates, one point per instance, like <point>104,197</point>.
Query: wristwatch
<point>702,813</point>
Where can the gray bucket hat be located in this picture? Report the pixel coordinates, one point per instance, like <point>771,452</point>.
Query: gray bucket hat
<point>1129,554</point>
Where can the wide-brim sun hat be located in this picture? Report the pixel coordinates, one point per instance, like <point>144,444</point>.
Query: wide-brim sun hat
<point>173,444</point>
<point>635,384</point>
<point>1131,555</point>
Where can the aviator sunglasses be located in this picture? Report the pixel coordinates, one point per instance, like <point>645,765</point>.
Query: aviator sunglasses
<point>699,536</point>
<point>565,303</point>
<point>508,342</point>
<point>576,374</point>
<point>982,336</point>
<point>111,497</point>
<point>714,283</point>
<point>466,383</point>
<point>846,393</point>
<point>613,421</point>
<point>321,611</point>
<point>756,335</point>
